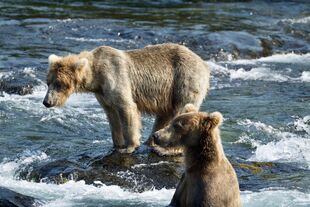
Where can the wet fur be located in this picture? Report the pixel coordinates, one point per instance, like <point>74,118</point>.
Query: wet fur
<point>209,178</point>
<point>158,79</point>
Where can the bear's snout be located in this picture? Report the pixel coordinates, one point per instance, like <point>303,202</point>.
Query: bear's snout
<point>50,99</point>
<point>47,104</point>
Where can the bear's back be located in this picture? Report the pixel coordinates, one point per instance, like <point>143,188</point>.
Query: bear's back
<point>221,187</point>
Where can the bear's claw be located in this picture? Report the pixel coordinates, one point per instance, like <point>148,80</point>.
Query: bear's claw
<point>127,150</point>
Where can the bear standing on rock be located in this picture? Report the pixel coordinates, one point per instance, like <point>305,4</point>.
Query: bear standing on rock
<point>159,80</point>
<point>209,179</point>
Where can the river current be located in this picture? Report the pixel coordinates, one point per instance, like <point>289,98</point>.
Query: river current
<point>259,56</point>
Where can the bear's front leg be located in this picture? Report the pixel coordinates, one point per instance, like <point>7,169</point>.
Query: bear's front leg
<point>116,128</point>
<point>131,123</point>
<point>114,122</point>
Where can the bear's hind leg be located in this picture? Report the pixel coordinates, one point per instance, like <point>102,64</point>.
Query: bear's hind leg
<point>160,122</point>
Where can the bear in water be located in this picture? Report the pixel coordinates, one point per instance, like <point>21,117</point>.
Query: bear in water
<point>158,80</point>
<point>209,178</point>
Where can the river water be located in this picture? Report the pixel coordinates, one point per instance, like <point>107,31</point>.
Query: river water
<point>259,56</point>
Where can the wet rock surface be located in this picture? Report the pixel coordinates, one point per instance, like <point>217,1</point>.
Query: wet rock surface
<point>238,44</point>
<point>264,101</point>
<point>141,172</point>
<point>19,82</point>
<point>258,175</point>
<point>17,88</point>
<point>9,198</point>
<point>135,172</point>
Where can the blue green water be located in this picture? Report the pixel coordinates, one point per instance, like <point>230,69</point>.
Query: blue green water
<point>258,53</point>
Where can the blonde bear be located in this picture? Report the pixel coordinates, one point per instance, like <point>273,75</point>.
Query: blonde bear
<point>159,80</point>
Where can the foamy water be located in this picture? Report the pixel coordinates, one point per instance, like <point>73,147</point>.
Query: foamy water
<point>279,145</point>
<point>285,147</point>
<point>265,101</point>
<point>277,58</point>
<point>303,20</point>
<point>85,104</point>
<point>275,198</point>
<point>260,73</point>
<point>303,124</point>
<point>82,112</point>
<point>81,39</point>
<point>73,193</point>
<point>264,72</point>
<point>79,194</point>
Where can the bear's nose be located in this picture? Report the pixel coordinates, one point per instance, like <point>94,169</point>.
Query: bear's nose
<point>46,104</point>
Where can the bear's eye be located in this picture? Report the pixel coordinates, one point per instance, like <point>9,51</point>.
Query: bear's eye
<point>57,85</point>
<point>178,126</point>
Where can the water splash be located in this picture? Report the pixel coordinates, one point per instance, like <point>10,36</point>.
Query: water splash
<point>275,198</point>
<point>263,73</point>
<point>272,144</point>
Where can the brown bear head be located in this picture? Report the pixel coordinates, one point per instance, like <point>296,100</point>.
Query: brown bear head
<point>65,76</point>
<point>190,129</point>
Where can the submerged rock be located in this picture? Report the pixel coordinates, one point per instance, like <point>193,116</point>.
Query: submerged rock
<point>259,175</point>
<point>19,82</point>
<point>140,172</point>
<point>134,172</point>
<point>58,172</point>
<point>237,44</point>
<point>15,88</point>
<point>9,198</point>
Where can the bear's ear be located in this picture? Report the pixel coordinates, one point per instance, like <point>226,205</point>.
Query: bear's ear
<point>214,119</point>
<point>81,63</point>
<point>53,58</point>
<point>189,108</point>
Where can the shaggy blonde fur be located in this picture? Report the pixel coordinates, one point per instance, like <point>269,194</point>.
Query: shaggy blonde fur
<point>159,80</point>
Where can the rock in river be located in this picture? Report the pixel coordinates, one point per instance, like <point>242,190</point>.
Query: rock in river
<point>9,198</point>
